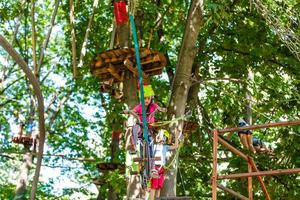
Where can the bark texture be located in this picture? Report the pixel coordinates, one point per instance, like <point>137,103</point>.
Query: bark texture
<point>22,183</point>
<point>182,83</point>
<point>38,93</point>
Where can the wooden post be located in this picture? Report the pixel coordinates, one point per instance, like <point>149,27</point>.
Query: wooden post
<point>215,164</point>
<point>129,65</point>
<point>233,149</point>
<point>250,191</point>
<point>261,181</point>
<point>232,192</point>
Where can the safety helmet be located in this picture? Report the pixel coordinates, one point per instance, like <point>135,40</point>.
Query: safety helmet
<point>148,91</point>
<point>242,123</point>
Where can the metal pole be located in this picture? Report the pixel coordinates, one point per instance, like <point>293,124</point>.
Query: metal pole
<point>250,189</point>
<point>260,173</point>
<point>261,181</point>
<point>232,192</point>
<point>215,165</point>
<point>260,126</point>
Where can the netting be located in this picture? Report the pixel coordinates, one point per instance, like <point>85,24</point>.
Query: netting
<point>283,17</point>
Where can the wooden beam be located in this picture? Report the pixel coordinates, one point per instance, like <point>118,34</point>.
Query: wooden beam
<point>215,164</point>
<point>233,149</point>
<point>130,67</point>
<point>232,192</point>
<point>144,159</point>
<point>253,127</point>
<point>261,181</point>
<point>114,72</point>
<point>250,189</point>
<point>260,173</point>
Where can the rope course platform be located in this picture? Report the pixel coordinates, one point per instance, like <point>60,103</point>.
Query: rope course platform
<point>105,167</point>
<point>23,139</point>
<point>113,63</point>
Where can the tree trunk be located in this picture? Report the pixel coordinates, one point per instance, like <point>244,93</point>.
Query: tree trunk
<point>249,96</point>
<point>182,83</point>
<point>21,189</point>
<point>40,99</point>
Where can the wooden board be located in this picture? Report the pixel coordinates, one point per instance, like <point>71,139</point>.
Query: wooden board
<point>23,140</point>
<point>110,64</point>
<point>110,167</point>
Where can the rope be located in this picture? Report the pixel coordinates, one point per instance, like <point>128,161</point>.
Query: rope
<point>168,167</point>
<point>183,185</point>
<point>140,77</point>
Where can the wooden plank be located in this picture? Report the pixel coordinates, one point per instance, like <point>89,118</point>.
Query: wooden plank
<point>99,71</point>
<point>130,67</point>
<point>250,189</point>
<point>253,127</point>
<point>261,181</point>
<point>260,173</point>
<point>144,159</point>
<point>233,149</point>
<point>215,164</point>
<point>114,72</point>
<point>152,69</point>
<point>232,192</point>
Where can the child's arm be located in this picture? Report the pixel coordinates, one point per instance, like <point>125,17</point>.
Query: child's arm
<point>173,147</point>
<point>160,109</point>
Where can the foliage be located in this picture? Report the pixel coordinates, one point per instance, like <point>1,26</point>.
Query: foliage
<point>234,39</point>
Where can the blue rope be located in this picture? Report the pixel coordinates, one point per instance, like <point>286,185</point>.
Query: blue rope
<point>140,76</point>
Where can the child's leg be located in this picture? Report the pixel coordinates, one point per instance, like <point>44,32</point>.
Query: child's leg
<point>152,194</point>
<point>158,193</point>
<point>250,144</point>
<point>243,138</point>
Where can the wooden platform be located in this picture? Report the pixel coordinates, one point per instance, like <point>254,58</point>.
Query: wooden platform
<point>103,167</point>
<point>111,64</point>
<point>23,139</point>
<point>190,127</point>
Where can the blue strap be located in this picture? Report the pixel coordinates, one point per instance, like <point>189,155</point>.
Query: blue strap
<point>140,76</point>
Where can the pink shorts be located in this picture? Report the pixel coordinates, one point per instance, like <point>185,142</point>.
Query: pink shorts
<point>157,183</point>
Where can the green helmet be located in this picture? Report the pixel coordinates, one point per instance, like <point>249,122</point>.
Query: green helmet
<point>148,91</point>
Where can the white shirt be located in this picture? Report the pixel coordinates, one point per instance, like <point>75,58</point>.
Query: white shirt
<point>160,150</point>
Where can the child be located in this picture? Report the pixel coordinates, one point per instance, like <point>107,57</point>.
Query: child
<point>151,109</point>
<point>260,146</point>
<point>246,136</point>
<point>158,171</point>
<point>150,106</point>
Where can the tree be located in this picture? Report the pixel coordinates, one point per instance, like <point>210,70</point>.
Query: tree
<point>211,79</point>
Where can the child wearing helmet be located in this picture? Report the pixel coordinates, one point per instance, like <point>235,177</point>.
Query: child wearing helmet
<point>151,107</point>
<point>158,170</point>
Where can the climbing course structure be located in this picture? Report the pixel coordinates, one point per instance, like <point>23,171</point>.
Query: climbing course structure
<point>111,64</point>
<point>252,168</point>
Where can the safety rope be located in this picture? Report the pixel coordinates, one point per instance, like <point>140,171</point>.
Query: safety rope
<point>140,77</point>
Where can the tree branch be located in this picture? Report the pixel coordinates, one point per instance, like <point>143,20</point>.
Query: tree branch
<point>73,36</point>
<point>45,44</point>
<point>33,38</point>
<point>35,84</point>
<point>83,48</point>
